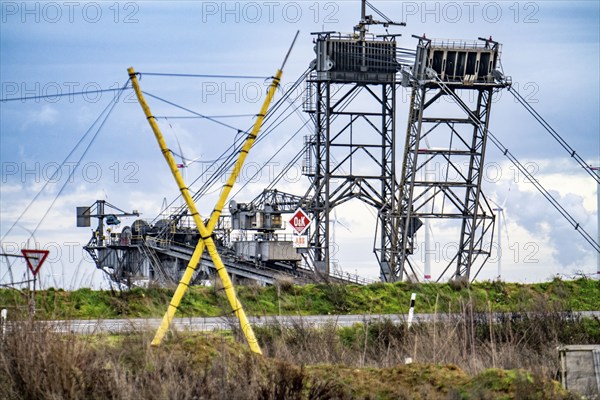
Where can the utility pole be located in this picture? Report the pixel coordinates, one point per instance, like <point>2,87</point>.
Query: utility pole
<point>427,272</point>
<point>597,172</point>
<point>499,222</point>
<point>500,213</point>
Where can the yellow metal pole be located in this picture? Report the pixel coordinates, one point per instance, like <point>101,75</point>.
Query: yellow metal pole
<point>204,233</point>
<point>187,276</point>
<point>193,263</point>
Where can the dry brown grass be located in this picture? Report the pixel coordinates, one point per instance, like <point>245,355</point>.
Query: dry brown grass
<point>473,340</point>
<point>38,364</point>
<point>459,357</point>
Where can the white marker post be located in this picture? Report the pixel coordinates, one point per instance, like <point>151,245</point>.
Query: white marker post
<point>3,316</point>
<point>411,313</point>
<point>411,310</point>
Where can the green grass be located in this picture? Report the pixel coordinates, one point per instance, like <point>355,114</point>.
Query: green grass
<point>427,381</point>
<point>384,298</point>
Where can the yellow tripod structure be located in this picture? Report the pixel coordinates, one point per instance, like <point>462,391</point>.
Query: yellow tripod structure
<point>206,231</point>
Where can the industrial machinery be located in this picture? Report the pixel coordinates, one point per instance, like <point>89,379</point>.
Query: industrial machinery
<point>260,223</point>
<point>351,100</point>
<point>248,239</point>
<point>351,154</point>
<point>445,146</point>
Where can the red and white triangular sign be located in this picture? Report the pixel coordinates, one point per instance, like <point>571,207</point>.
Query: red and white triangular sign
<point>35,259</point>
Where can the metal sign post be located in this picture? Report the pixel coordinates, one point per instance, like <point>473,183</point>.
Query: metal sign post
<point>34,259</point>
<point>596,170</point>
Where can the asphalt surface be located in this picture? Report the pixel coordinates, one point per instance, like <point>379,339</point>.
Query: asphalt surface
<point>201,324</point>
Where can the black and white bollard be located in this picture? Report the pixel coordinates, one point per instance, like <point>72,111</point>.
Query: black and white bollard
<point>411,313</point>
<point>411,310</point>
<point>3,316</point>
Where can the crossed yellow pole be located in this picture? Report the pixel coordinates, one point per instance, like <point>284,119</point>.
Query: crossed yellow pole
<point>206,231</point>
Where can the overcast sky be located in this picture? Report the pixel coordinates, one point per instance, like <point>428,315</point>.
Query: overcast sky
<point>551,50</point>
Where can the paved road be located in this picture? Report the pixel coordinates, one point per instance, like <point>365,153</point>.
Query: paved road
<point>200,324</point>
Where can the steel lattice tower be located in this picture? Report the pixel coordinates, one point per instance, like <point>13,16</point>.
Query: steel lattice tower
<point>452,85</point>
<point>352,102</point>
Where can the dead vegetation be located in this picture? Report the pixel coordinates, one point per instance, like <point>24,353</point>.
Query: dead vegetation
<point>473,355</point>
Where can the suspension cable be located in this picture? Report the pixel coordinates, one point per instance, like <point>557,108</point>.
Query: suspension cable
<point>57,95</point>
<point>553,133</point>
<point>225,166</point>
<point>544,192</point>
<point>203,75</point>
<point>588,238</point>
<point>204,116</point>
<point>103,114</point>
<point>232,150</point>
<point>216,121</point>
<point>267,131</point>
<point>275,154</point>
<point>85,151</point>
<point>382,15</point>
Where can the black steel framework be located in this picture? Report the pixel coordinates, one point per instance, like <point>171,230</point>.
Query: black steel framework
<point>452,84</point>
<point>352,152</point>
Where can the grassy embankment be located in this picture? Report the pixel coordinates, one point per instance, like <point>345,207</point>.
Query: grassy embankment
<point>287,299</point>
<point>467,356</point>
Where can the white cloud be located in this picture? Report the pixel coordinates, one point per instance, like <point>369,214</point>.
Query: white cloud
<point>45,116</point>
